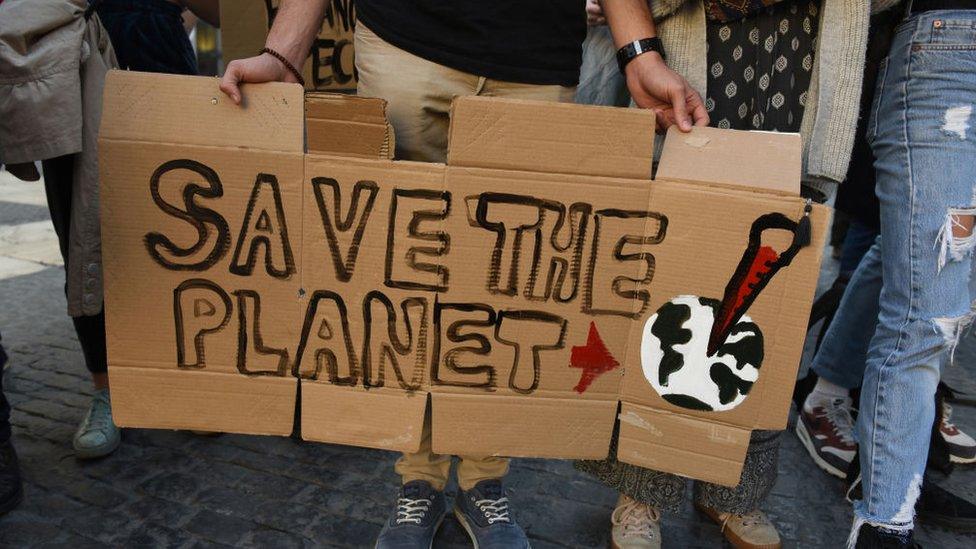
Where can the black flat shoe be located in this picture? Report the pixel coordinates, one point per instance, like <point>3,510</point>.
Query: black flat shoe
<point>943,508</point>
<point>872,537</point>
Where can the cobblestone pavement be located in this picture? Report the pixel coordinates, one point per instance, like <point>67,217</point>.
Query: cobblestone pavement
<point>164,488</point>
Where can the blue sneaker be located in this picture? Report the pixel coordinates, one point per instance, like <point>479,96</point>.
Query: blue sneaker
<point>419,512</point>
<point>484,512</point>
<point>97,435</point>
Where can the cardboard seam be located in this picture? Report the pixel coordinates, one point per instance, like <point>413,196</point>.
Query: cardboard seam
<point>736,191</point>
<point>720,456</point>
<point>359,389</point>
<point>669,448</point>
<point>207,147</point>
<point>686,416</point>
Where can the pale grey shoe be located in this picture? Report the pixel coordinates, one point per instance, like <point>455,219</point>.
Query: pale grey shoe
<point>635,525</point>
<point>97,435</point>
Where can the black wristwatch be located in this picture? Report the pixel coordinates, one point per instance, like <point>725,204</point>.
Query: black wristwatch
<point>627,53</point>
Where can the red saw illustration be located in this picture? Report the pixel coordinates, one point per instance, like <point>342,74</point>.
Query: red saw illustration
<point>756,268</point>
<point>593,358</point>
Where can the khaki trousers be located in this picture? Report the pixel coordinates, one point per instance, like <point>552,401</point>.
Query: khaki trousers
<point>419,94</point>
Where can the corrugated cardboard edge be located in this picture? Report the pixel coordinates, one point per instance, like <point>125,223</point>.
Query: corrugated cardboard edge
<point>661,441</point>
<point>766,162</point>
<point>480,425</point>
<point>257,405</point>
<point>386,419</point>
<point>539,136</point>
<point>347,125</point>
<point>804,292</point>
<point>138,107</point>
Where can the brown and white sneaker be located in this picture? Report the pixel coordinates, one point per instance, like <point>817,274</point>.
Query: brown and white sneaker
<point>962,447</point>
<point>750,531</point>
<point>826,430</point>
<point>636,525</point>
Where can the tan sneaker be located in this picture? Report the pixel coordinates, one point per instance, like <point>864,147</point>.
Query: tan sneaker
<point>635,525</point>
<point>750,531</point>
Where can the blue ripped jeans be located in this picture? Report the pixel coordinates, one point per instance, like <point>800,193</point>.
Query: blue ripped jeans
<point>909,300</point>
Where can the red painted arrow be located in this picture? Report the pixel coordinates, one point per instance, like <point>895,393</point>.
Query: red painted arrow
<point>593,358</point>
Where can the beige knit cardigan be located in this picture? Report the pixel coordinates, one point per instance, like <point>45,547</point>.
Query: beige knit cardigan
<point>833,100</point>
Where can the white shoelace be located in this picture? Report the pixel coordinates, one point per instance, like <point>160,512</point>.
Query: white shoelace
<point>637,519</point>
<point>412,510</point>
<point>838,412</point>
<point>495,510</point>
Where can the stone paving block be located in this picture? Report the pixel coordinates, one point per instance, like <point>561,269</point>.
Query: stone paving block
<point>21,388</point>
<point>346,532</point>
<point>215,527</point>
<point>95,493</point>
<point>69,396</point>
<point>216,473</point>
<point>74,541</point>
<point>12,214</point>
<point>17,192</point>
<point>25,531</point>
<point>173,486</point>
<point>274,538</point>
<point>159,458</point>
<point>232,502</point>
<point>43,408</point>
<point>205,544</point>
<point>577,523</point>
<point>108,527</point>
<point>271,485</point>
<point>55,433</point>
<point>124,469</point>
<point>13,266</point>
<point>162,511</point>
<point>291,516</point>
<point>156,535</point>
<point>50,506</point>
<point>360,462</point>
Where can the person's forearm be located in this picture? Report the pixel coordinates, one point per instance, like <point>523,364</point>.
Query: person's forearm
<point>295,27</point>
<point>208,10</point>
<point>629,20</point>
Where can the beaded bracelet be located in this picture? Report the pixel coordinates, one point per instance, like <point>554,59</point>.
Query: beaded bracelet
<point>291,68</point>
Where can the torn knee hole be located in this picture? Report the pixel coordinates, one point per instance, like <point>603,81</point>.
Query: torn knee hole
<point>957,238</point>
<point>956,121</point>
<point>962,223</point>
<point>952,328</point>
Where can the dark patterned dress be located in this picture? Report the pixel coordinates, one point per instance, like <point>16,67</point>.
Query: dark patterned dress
<point>759,67</point>
<point>759,70</point>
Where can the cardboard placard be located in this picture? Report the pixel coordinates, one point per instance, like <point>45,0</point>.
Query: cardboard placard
<point>244,26</point>
<point>525,291</point>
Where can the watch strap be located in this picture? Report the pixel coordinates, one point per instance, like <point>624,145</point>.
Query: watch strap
<point>627,53</point>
